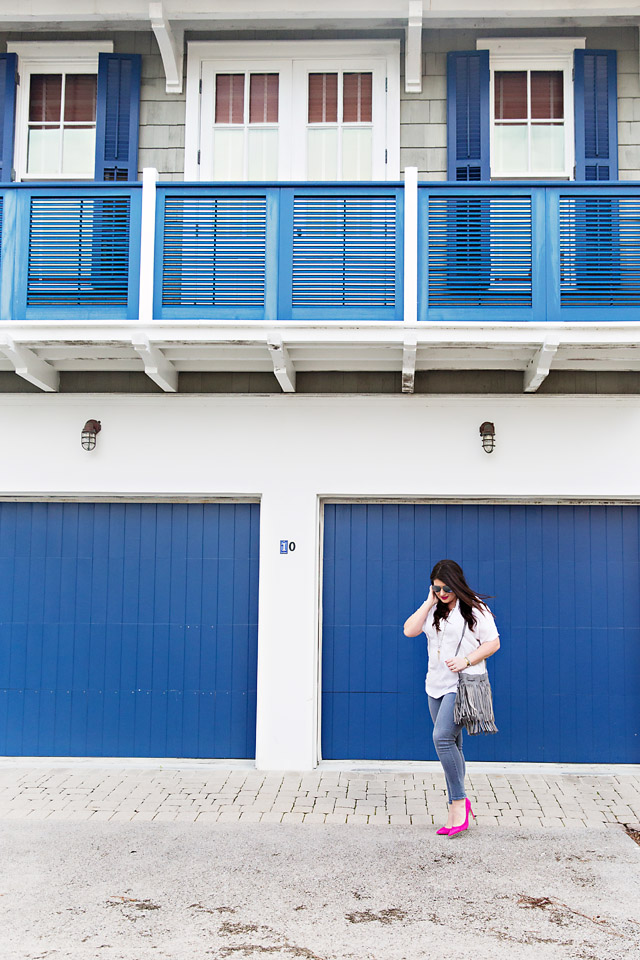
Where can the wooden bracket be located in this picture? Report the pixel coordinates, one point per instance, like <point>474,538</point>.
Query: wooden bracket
<point>409,353</point>
<point>413,48</point>
<point>156,365</point>
<point>171,43</point>
<point>539,366</point>
<point>282,364</point>
<point>29,366</point>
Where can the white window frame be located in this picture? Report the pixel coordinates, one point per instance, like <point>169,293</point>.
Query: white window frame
<point>48,57</point>
<point>536,53</point>
<point>287,58</point>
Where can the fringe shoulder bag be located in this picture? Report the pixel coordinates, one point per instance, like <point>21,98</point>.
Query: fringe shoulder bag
<point>473,708</point>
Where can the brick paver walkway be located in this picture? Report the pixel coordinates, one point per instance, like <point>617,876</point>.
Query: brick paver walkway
<point>216,794</point>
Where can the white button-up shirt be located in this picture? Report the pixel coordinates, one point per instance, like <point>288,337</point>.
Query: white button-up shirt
<point>442,646</point>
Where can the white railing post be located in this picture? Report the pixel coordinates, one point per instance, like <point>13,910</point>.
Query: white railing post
<point>147,244</point>
<point>411,245</point>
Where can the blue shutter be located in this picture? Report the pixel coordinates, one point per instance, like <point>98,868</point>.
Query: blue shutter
<point>117,117</point>
<point>596,115</point>
<point>8,69</point>
<point>468,115</point>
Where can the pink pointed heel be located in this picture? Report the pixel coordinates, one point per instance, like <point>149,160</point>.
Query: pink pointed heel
<point>463,826</point>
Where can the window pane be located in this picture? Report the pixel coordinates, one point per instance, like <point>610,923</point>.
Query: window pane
<point>45,97</point>
<point>547,100</point>
<point>78,149</point>
<point>547,148</point>
<point>43,151</point>
<point>263,155</point>
<point>510,95</point>
<point>80,98</point>
<point>323,97</point>
<point>228,155</point>
<point>230,98</point>
<point>356,153</point>
<point>322,154</point>
<point>263,98</point>
<point>357,97</point>
<point>510,150</point>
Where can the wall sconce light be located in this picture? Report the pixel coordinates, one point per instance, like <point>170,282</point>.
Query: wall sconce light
<point>90,431</point>
<point>488,436</point>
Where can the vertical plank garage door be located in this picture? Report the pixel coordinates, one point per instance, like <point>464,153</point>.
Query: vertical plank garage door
<point>566,582</point>
<point>128,629</point>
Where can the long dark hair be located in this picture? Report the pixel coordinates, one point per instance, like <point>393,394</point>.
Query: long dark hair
<point>452,576</point>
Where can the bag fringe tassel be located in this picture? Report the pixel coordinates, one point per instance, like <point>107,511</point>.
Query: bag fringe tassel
<point>474,705</point>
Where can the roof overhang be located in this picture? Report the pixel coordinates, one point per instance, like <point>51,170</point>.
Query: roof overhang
<point>166,349</point>
<point>229,14</point>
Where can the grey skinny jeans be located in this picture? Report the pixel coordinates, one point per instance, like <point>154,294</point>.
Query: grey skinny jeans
<point>447,739</point>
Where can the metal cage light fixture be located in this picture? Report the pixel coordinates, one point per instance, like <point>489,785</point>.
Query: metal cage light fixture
<point>90,431</point>
<point>488,436</point>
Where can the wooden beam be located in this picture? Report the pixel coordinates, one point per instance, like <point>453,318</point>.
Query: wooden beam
<point>409,353</point>
<point>539,366</point>
<point>282,365</point>
<point>171,43</point>
<point>413,49</point>
<point>156,365</point>
<point>29,366</point>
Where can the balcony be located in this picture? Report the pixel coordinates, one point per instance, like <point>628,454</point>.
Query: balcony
<point>286,276</point>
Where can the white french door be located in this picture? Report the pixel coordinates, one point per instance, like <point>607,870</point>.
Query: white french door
<point>293,118</point>
<point>339,110</point>
<point>245,118</point>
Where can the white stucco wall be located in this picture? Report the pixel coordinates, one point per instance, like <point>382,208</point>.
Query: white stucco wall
<point>291,451</point>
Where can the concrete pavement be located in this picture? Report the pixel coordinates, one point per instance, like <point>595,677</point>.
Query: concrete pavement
<point>220,891</point>
<point>133,860</point>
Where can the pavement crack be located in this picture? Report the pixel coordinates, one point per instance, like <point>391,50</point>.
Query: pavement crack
<point>390,915</point>
<point>557,916</point>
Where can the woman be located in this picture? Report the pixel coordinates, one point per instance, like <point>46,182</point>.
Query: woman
<point>451,608</point>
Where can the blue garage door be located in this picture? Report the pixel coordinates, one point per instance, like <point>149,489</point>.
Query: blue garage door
<point>566,581</point>
<point>128,629</point>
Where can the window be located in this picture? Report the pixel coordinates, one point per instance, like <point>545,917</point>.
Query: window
<point>56,109</point>
<point>61,134</point>
<point>339,126</point>
<point>531,96</point>
<point>318,111</point>
<point>246,126</point>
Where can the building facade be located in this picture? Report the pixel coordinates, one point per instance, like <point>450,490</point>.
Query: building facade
<point>291,260</point>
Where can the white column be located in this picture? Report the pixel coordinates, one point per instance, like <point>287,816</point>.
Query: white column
<point>411,245</point>
<point>147,243</point>
<point>288,637</point>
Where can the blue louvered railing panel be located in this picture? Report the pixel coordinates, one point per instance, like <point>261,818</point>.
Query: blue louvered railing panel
<point>480,251</point>
<point>491,252</point>
<point>72,251</point>
<point>344,251</point>
<point>599,251</point>
<point>215,251</point>
<point>78,251</point>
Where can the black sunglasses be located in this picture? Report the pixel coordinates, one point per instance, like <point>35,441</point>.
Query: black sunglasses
<point>441,589</point>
